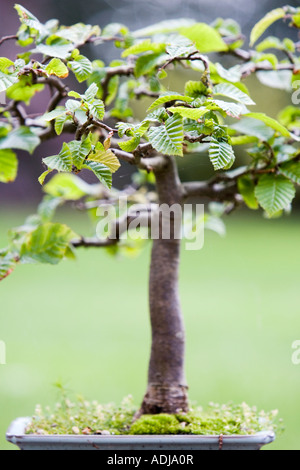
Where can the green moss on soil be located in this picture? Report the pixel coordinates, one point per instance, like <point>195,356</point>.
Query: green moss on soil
<point>83,417</point>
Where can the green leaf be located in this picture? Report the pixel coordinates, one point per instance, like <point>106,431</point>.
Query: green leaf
<point>265,23</point>
<point>107,158</point>
<point>62,161</point>
<point>291,170</point>
<point>232,109</point>
<point>29,19</point>
<point>61,51</point>
<point>5,64</point>
<point>271,42</point>
<point>243,140</point>
<point>44,176</point>
<point>280,79</point>
<point>97,109</point>
<point>67,186</point>
<point>7,265</point>
<point>195,89</point>
<point>190,113</point>
<point>167,26</point>
<point>7,80</point>
<point>58,112</point>
<point>46,209</point>
<point>270,122</point>
<point>80,150</point>
<point>78,33</point>
<point>57,67</point>
<point>144,46</point>
<point>60,122</point>
<point>146,63</point>
<point>21,138</point>
<point>206,38</point>
<point>131,144</point>
<point>221,154</point>
<point>232,75</point>
<point>90,93</point>
<point>102,172</point>
<point>8,166</point>
<point>167,139</point>
<point>252,127</point>
<point>231,91</point>
<point>24,90</point>
<point>47,244</point>
<point>166,98</point>
<point>82,68</point>
<point>274,193</point>
<point>246,188</point>
<point>178,46</point>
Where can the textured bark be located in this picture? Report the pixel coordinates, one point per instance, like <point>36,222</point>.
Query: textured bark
<point>167,388</point>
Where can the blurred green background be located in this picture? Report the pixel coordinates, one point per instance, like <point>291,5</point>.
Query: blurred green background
<point>86,323</point>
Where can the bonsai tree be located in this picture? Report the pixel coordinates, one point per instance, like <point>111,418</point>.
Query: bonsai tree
<point>128,113</point>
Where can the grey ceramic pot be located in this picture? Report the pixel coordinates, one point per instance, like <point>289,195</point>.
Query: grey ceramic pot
<point>16,435</point>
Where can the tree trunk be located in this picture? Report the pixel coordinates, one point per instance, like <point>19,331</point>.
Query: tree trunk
<point>167,388</point>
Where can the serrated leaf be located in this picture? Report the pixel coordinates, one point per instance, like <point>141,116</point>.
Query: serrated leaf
<point>102,172</point>
<point>21,138</point>
<point>232,109</point>
<point>169,96</point>
<point>80,150</point>
<point>195,89</point>
<point>179,46</point>
<point>221,154</point>
<point>205,38</point>
<point>47,244</point>
<point>167,139</point>
<point>274,193</point>
<point>189,113</point>
<point>7,80</point>
<point>8,166</point>
<point>252,127</point>
<point>144,46</point>
<point>246,188</point>
<point>57,67</point>
<point>7,265</point>
<point>97,109</point>
<point>131,144</point>
<point>58,112</point>
<point>58,51</point>
<point>78,33</point>
<point>270,122</point>
<point>231,91</point>
<point>265,23</point>
<point>108,158</point>
<point>82,68</point>
<point>291,170</point>
<point>60,122</point>
<point>90,93</point>
<point>61,162</point>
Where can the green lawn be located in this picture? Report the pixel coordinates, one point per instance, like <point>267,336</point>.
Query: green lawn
<point>86,323</point>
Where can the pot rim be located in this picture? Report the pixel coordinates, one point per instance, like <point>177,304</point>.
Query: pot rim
<point>16,431</point>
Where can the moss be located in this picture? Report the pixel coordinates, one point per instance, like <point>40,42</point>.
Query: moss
<point>83,417</point>
<point>156,424</point>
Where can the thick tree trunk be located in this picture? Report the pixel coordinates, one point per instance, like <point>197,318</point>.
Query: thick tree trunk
<point>167,388</point>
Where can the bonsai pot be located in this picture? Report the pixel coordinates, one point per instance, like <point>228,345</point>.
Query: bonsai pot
<point>16,435</point>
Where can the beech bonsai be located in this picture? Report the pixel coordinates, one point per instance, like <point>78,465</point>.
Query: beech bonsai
<point>102,128</point>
